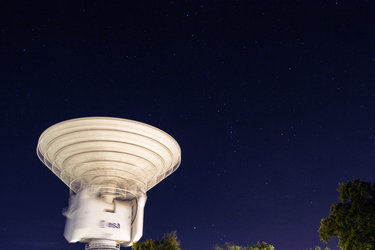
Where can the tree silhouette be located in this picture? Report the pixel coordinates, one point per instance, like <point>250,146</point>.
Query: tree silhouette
<point>257,246</point>
<point>168,242</point>
<point>352,220</point>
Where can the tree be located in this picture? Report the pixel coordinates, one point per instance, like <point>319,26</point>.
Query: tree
<point>319,248</point>
<point>352,220</point>
<point>168,242</point>
<point>257,246</point>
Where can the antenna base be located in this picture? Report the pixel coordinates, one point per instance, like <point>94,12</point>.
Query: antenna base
<point>102,245</point>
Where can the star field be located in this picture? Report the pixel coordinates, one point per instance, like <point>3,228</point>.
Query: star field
<point>272,103</point>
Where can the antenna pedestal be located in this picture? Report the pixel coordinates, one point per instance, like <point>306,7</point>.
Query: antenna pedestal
<point>114,218</point>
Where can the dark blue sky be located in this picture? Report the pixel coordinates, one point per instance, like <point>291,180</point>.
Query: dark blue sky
<point>272,103</point>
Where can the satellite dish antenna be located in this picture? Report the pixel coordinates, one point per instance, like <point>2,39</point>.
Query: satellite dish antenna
<point>109,164</point>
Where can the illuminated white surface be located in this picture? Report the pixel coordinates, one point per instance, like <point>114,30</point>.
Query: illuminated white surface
<point>111,152</point>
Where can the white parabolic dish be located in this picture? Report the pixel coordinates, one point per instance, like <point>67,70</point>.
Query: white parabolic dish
<point>108,152</point>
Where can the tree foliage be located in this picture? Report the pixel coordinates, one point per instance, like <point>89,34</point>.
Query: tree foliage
<point>257,246</point>
<point>319,248</point>
<point>352,220</point>
<point>168,242</point>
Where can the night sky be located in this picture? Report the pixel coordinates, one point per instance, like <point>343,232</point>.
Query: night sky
<point>272,103</point>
